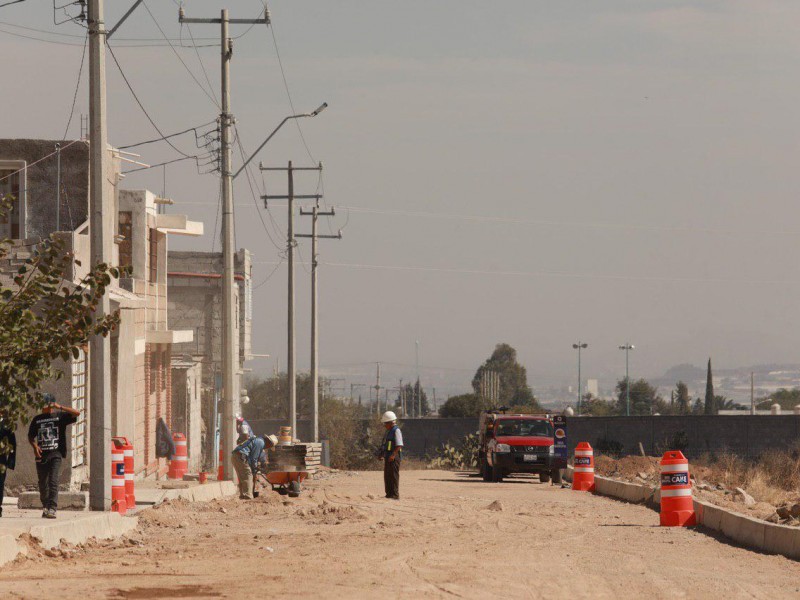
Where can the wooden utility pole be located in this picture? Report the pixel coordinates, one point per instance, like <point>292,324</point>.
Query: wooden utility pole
<point>315,213</point>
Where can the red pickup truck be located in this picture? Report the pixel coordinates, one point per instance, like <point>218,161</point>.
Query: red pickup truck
<point>517,444</point>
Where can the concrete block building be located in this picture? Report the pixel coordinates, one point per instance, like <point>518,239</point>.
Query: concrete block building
<point>195,304</point>
<point>50,191</point>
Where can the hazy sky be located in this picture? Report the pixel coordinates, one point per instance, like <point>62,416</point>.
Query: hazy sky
<point>540,172</point>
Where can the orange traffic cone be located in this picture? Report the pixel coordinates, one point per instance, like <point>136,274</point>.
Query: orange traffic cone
<point>677,507</point>
<point>583,468</point>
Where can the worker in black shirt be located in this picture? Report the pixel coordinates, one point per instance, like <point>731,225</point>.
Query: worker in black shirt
<point>48,436</point>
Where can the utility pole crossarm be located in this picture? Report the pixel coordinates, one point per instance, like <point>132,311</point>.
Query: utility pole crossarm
<point>318,236</point>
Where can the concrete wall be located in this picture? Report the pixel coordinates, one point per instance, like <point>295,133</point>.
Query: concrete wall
<point>745,435</point>
<point>39,187</point>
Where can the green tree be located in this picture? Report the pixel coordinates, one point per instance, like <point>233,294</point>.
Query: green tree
<point>514,389</point>
<point>597,407</point>
<point>788,399</point>
<point>710,405</point>
<point>45,317</point>
<point>683,402</point>
<point>644,397</point>
<point>464,405</point>
<point>413,394</point>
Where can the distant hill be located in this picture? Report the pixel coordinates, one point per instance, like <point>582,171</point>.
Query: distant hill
<point>685,372</point>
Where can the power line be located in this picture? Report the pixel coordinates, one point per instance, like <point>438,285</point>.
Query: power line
<point>560,274</point>
<point>200,60</point>
<point>185,66</point>
<point>252,190</point>
<point>171,135</point>
<point>168,162</point>
<point>141,106</point>
<point>77,87</point>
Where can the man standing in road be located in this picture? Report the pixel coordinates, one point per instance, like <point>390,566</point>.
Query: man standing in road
<point>246,457</point>
<point>48,436</point>
<point>392,454</point>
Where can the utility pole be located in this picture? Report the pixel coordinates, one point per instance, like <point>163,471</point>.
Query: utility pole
<point>101,227</point>
<point>378,388</point>
<point>315,213</point>
<point>417,387</point>
<point>290,197</point>
<point>627,347</point>
<point>230,346</point>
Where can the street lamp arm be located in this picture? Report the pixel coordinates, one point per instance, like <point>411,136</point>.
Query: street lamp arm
<point>274,131</point>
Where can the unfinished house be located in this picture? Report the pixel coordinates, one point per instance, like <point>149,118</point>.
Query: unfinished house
<point>195,303</point>
<point>50,187</point>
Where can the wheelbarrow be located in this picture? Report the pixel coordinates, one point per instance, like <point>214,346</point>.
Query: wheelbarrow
<point>286,483</point>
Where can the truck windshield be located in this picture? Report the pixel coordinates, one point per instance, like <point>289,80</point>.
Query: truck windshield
<point>524,427</point>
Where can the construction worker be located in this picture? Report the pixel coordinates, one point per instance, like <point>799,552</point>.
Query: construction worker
<point>392,454</point>
<point>246,457</point>
<point>243,429</point>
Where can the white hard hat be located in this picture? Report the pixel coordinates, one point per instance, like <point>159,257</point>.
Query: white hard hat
<point>388,417</point>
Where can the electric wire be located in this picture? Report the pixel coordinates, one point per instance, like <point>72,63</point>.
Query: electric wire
<point>141,106</point>
<point>238,141</point>
<point>185,66</point>
<point>268,277</point>
<point>168,162</point>
<point>171,135</point>
<point>77,87</point>
<point>37,161</point>
<point>202,64</point>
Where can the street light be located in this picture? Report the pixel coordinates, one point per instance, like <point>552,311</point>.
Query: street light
<point>579,346</point>
<point>314,113</point>
<point>627,347</point>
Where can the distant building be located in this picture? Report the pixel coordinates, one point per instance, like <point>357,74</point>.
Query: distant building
<point>142,344</point>
<point>195,303</point>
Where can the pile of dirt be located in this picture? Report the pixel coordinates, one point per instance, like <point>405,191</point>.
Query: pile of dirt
<point>328,514</point>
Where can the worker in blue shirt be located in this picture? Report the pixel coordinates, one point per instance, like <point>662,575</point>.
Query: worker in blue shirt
<point>391,453</point>
<point>246,457</point>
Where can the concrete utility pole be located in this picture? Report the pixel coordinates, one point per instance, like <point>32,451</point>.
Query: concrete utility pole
<point>315,213</point>
<point>290,244</point>
<point>579,346</point>
<point>378,388</point>
<point>101,228</point>
<point>230,387</point>
<point>627,347</point>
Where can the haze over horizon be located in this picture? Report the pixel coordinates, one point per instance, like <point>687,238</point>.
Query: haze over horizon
<point>536,174</point>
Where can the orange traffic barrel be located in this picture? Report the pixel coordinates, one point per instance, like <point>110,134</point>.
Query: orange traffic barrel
<point>677,506</point>
<point>221,466</point>
<point>127,452</point>
<point>118,503</point>
<point>180,462</point>
<point>583,468</point>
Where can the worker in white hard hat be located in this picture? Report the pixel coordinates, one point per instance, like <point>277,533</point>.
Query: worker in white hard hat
<point>392,454</point>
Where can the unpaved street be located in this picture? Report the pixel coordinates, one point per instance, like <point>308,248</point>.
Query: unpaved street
<point>445,539</point>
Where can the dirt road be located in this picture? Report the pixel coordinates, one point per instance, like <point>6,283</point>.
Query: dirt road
<point>450,536</point>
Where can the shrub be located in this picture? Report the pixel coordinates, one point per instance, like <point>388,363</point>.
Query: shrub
<point>461,457</point>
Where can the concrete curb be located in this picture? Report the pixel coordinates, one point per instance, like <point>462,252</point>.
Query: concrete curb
<point>9,549</point>
<point>742,529</point>
<point>75,531</point>
<point>199,493</point>
<point>102,526</point>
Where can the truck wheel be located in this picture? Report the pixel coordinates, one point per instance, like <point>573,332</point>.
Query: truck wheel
<point>294,489</point>
<point>497,475</point>
<point>544,477</point>
<point>557,477</point>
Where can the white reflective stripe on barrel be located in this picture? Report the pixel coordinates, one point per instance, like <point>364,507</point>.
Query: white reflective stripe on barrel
<point>117,458</point>
<point>128,452</point>
<point>180,443</point>
<point>129,476</point>
<point>678,492</point>
<point>584,452</point>
<point>583,469</point>
<point>680,467</point>
<point>180,458</point>
<point>115,482</point>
